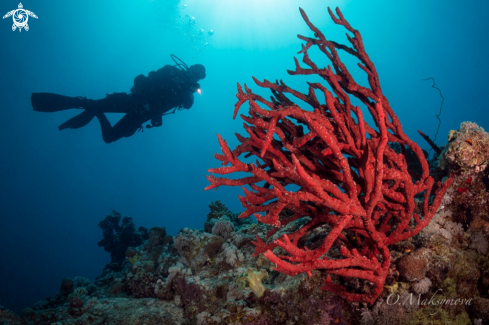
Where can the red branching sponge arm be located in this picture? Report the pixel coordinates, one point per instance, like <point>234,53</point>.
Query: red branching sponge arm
<point>351,183</point>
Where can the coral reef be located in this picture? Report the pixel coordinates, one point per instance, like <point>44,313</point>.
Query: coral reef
<point>193,278</point>
<point>467,156</point>
<point>203,278</point>
<point>219,210</point>
<point>468,148</point>
<point>118,237</point>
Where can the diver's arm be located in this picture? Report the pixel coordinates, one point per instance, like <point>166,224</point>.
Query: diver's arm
<point>188,101</point>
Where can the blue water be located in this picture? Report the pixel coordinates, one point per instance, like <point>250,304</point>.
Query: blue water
<point>56,186</point>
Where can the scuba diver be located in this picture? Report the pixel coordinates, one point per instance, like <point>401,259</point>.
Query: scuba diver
<point>151,97</point>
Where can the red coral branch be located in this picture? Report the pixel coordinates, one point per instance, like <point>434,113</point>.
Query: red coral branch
<point>350,181</point>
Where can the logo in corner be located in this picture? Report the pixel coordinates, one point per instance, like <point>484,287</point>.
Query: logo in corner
<point>20,17</point>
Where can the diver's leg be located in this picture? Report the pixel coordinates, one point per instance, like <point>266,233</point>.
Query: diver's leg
<point>117,103</point>
<point>107,133</point>
<point>114,103</point>
<point>48,102</point>
<point>127,126</point>
<point>90,108</point>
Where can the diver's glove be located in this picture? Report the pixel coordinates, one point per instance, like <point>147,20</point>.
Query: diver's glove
<point>155,122</point>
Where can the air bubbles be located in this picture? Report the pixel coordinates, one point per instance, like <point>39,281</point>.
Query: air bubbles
<point>211,32</point>
<point>190,19</point>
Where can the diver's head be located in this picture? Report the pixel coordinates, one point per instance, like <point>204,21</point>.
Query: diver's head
<point>196,72</point>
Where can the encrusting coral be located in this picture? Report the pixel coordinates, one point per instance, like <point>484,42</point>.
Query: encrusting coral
<point>252,279</point>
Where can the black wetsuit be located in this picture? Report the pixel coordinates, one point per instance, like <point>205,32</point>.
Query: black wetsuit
<point>152,96</point>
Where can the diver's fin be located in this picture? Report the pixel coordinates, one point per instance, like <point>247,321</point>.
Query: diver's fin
<point>48,102</point>
<point>78,121</point>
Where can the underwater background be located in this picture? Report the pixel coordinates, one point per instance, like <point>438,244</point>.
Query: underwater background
<point>56,186</point>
